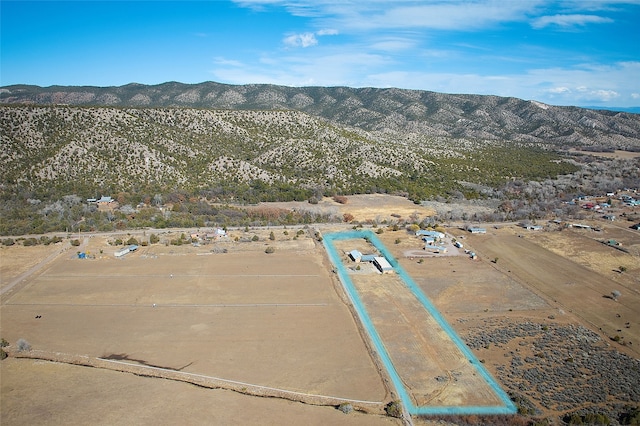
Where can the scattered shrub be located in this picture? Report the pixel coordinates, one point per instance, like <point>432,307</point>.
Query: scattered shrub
<point>8,242</point>
<point>269,250</point>
<point>393,409</point>
<point>131,241</point>
<point>255,238</point>
<point>630,416</point>
<point>272,236</point>
<point>75,242</point>
<point>345,407</point>
<point>3,344</point>
<point>30,242</point>
<point>23,345</point>
<point>154,239</point>
<point>340,199</point>
<point>589,419</point>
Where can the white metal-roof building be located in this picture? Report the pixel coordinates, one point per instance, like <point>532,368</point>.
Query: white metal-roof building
<point>475,230</point>
<point>383,265</point>
<point>355,255</point>
<point>426,233</point>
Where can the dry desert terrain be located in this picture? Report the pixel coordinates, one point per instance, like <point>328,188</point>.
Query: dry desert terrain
<point>533,306</point>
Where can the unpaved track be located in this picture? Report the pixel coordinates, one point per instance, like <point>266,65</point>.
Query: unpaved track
<point>22,277</point>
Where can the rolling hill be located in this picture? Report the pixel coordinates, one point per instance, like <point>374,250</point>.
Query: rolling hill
<point>262,142</point>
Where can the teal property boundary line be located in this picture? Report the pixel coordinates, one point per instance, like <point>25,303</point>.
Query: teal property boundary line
<point>508,407</point>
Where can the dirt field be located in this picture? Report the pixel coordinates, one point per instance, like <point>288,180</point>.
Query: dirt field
<point>433,370</point>
<point>39,392</point>
<point>277,320</point>
<point>365,207</point>
<point>569,285</point>
<point>265,319</point>
<point>537,284</point>
<point>616,154</point>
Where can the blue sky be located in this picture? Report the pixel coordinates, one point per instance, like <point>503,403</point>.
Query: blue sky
<point>574,52</point>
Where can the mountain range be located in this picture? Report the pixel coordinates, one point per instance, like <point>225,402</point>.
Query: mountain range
<point>411,112</point>
<point>261,142</point>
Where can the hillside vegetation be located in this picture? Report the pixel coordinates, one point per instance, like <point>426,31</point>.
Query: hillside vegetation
<point>182,143</point>
<point>246,156</point>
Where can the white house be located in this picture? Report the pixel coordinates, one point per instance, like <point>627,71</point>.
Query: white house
<point>426,233</point>
<point>435,249</point>
<point>217,234</point>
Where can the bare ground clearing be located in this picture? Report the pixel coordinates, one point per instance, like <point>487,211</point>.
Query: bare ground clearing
<point>364,207</point>
<point>533,301</point>
<point>434,372</point>
<point>266,319</point>
<point>476,297</point>
<point>569,285</point>
<point>46,393</point>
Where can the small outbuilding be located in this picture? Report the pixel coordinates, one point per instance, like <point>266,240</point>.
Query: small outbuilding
<point>383,265</point>
<point>435,249</point>
<point>355,255</point>
<point>475,230</point>
<point>125,250</point>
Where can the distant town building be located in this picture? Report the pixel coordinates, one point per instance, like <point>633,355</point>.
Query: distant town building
<point>580,226</point>
<point>475,230</point>
<point>533,227</point>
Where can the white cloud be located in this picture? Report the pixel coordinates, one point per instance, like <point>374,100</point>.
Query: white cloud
<point>219,60</point>
<point>327,31</point>
<point>307,39</point>
<point>300,40</point>
<point>399,44</point>
<point>567,21</point>
<point>585,93</point>
<point>393,44</point>
<point>382,14</point>
<point>589,85</point>
<point>326,67</point>
<point>559,90</point>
